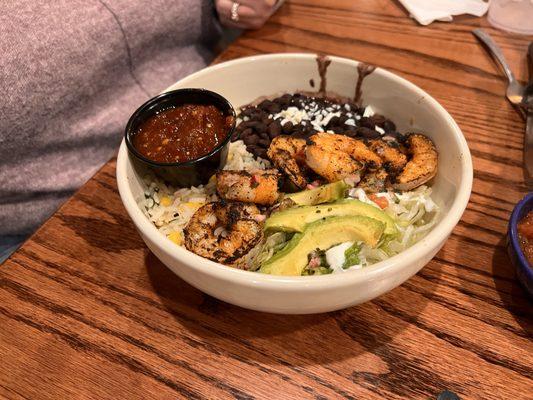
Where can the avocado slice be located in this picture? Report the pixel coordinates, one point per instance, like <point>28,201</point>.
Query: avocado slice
<point>295,219</point>
<point>321,235</point>
<point>322,194</point>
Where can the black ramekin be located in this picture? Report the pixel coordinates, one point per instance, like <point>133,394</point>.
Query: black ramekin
<point>188,173</point>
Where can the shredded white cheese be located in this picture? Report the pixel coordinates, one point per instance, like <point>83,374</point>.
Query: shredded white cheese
<point>335,256</point>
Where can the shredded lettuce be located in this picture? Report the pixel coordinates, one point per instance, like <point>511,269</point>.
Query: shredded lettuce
<point>272,244</point>
<point>351,255</point>
<point>414,212</point>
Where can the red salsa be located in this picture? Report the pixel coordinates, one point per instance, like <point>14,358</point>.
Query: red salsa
<point>182,133</point>
<point>525,236</point>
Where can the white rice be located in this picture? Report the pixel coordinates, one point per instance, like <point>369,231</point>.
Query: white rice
<point>170,209</point>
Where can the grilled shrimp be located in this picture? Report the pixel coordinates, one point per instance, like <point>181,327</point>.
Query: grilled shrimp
<point>421,167</point>
<point>260,187</point>
<point>374,181</point>
<point>286,152</point>
<point>393,159</point>
<point>223,231</point>
<point>336,157</point>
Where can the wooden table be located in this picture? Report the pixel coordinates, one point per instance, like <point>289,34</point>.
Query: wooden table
<point>86,311</point>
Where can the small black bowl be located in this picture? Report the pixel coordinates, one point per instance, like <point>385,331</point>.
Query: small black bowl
<point>188,173</point>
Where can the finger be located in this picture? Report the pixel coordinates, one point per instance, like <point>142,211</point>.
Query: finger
<point>248,18</point>
<point>259,7</point>
<point>246,23</point>
<point>224,10</point>
<point>254,23</point>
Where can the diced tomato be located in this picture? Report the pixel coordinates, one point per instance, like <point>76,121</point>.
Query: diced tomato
<point>314,263</point>
<point>254,182</point>
<point>525,226</point>
<point>382,202</point>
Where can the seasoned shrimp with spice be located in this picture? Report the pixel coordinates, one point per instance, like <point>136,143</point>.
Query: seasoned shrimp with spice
<point>259,187</point>
<point>336,157</point>
<point>224,231</point>
<point>287,154</point>
<point>393,159</point>
<point>374,181</point>
<point>423,163</point>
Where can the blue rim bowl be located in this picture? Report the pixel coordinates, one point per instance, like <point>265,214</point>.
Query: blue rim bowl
<point>523,269</point>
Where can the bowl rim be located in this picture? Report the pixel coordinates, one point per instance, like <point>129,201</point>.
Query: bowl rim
<point>513,234</point>
<point>128,134</point>
<point>422,248</point>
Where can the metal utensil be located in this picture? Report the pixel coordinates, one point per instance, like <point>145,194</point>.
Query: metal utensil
<point>528,106</point>
<point>515,90</point>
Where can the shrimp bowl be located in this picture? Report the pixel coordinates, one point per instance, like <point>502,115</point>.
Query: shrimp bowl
<point>342,181</point>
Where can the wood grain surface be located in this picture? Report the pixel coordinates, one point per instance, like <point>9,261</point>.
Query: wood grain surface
<point>86,311</point>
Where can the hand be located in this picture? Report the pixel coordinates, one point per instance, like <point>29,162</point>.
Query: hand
<point>252,13</point>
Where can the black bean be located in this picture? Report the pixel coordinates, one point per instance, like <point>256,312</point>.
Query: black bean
<point>354,108</point>
<point>245,124</point>
<point>246,111</point>
<point>335,121</point>
<point>389,126</point>
<point>256,115</point>
<point>263,143</point>
<point>350,128</point>
<point>274,129</point>
<point>367,123</point>
<point>261,153</point>
<point>350,133</point>
<point>288,127</point>
<point>264,105</point>
<point>367,133</point>
<point>259,126</point>
<point>378,119</point>
<point>274,108</point>
<point>252,148</point>
<point>252,139</point>
<point>284,100</point>
<point>246,132</point>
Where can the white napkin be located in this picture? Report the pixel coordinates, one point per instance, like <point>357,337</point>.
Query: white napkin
<point>427,11</point>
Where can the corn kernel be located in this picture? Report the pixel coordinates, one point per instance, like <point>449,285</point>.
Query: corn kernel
<point>194,204</point>
<point>176,237</point>
<point>166,201</point>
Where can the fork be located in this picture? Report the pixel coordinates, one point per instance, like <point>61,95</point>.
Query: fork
<point>515,90</point>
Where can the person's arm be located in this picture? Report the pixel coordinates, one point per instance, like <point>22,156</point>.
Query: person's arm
<point>252,14</point>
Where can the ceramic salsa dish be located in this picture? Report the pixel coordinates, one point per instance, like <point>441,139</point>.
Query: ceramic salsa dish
<point>524,271</point>
<point>242,81</point>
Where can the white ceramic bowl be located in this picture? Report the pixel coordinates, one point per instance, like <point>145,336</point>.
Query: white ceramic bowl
<point>242,81</point>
